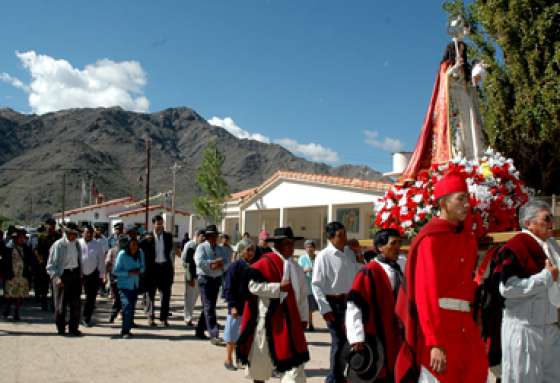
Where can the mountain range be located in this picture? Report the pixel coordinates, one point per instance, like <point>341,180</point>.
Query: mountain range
<point>106,146</point>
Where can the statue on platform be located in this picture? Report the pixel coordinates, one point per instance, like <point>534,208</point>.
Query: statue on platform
<point>453,126</point>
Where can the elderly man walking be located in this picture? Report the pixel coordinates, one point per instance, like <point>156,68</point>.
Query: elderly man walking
<point>442,342</point>
<point>529,284</point>
<point>191,286</point>
<point>275,315</point>
<point>93,271</point>
<point>64,269</point>
<point>333,275</point>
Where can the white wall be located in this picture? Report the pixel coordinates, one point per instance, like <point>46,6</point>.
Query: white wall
<point>293,194</point>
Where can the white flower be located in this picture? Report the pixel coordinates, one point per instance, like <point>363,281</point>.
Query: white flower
<point>385,216</point>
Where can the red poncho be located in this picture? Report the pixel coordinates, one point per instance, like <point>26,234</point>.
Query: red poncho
<point>285,333</point>
<point>372,293</point>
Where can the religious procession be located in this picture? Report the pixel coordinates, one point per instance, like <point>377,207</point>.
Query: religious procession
<point>446,270</point>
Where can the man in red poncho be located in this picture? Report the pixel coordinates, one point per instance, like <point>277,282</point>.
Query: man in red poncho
<point>275,314</point>
<point>442,342</point>
<point>370,311</point>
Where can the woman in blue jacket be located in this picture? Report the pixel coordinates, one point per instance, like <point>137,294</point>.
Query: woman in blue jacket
<point>128,267</point>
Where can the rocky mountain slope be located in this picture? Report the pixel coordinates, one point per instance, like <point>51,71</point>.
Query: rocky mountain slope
<point>106,145</point>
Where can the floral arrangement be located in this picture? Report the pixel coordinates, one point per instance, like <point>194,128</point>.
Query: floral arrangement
<point>495,194</point>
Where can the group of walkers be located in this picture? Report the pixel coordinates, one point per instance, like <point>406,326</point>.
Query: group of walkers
<point>385,325</point>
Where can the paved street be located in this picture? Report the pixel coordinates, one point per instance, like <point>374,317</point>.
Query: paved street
<point>30,350</point>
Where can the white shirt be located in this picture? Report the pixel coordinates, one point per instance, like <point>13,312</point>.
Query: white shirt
<point>93,257</point>
<point>71,259</point>
<point>160,248</point>
<point>103,242</point>
<point>333,274</point>
<point>552,252</point>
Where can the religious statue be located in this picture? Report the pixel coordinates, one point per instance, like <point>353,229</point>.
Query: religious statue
<point>453,126</point>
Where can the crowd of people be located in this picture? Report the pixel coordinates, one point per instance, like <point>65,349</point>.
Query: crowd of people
<point>385,324</point>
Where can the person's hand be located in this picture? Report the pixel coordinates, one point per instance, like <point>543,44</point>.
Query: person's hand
<point>438,360</point>
<point>553,269</point>
<point>329,317</point>
<point>58,282</point>
<point>234,313</point>
<point>285,286</point>
<point>358,346</point>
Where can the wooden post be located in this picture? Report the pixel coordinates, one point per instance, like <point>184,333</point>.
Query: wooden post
<point>148,143</point>
<point>63,195</point>
<point>174,169</point>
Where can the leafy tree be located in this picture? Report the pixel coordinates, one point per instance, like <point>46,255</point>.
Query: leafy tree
<point>212,184</point>
<point>519,40</point>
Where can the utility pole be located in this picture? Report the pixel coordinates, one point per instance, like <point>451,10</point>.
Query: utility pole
<point>174,169</point>
<point>63,195</point>
<point>148,142</point>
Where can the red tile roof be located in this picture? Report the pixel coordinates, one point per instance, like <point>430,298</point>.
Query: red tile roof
<point>354,183</point>
<point>141,210</point>
<point>113,202</point>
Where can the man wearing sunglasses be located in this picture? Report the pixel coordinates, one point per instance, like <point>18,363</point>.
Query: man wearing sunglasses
<point>529,284</point>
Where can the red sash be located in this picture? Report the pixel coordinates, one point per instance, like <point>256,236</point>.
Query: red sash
<point>284,330</point>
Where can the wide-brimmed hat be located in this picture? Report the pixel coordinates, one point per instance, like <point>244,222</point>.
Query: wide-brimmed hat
<point>282,233</point>
<point>18,230</point>
<point>363,366</point>
<point>211,229</point>
<point>71,228</point>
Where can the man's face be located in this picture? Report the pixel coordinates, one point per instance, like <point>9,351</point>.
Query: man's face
<point>98,232</point>
<point>71,236</point>
<point>339,239</point>
<point>51,229</point>
<point>20,239</point>
<point>392,249</point>
<point>158,226</point>
<point>88,234</point>
<point>285,247</point>
<point>200,238</point>
<point>456,206</point>
<point>310,250</point>
<point>118,231</point>
<point>542,225</point>
<point>212,239</point>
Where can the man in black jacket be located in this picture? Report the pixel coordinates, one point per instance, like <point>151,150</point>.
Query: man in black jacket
<point>158,255</point>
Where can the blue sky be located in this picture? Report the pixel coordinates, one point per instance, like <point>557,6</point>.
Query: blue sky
<point>295,72</point>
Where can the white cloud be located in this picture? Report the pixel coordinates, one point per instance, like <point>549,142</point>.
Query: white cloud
<point>313,151</point>
<point>387,144</point>
<point>230,125</point>
<point>56,84</point>
<point>15,82</point>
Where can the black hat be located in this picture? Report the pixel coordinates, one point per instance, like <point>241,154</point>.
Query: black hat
<point>211,229</point>
<point>17,231</point>
<point>71,227</point>
<point>281,233</point>
<point>50,221</point>
<point>363,366</point>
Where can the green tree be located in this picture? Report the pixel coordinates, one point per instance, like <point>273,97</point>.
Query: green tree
<point>213,186</point>
<point>519,40</point>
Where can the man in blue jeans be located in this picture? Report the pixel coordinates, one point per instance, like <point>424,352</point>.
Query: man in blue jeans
<point>211,262</point>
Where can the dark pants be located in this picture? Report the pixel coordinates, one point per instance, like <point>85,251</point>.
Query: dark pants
<point>91,288</point>
<point>338,339</point>
<point>41,286</point>
<point>117,305</point>
<point>68,295</point>
<point>209,289</point>
<point>163,279</point>
<point>128,299</point>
